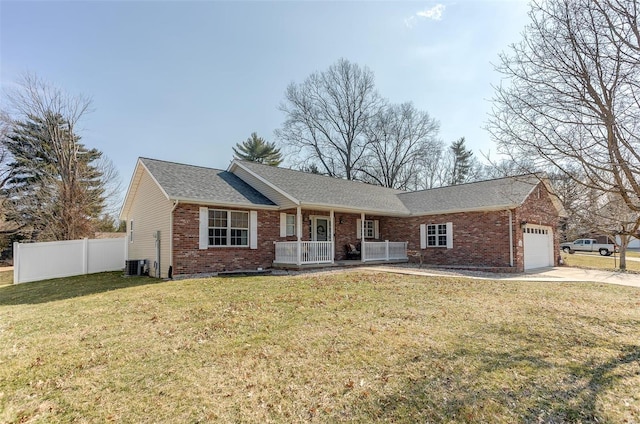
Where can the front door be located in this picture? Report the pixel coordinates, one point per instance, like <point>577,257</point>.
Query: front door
<point>321,229</point>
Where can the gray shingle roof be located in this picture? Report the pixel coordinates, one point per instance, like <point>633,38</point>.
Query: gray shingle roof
<point>491,194</point>
<point>313,189</point>
<point>208,185</point>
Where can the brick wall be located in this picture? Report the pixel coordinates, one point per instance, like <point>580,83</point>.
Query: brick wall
<point>346,233</point>
<point>537,209</point>
<point>189,259</point>
<point>480,239</point>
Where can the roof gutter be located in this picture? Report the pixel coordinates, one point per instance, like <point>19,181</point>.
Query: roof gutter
<point>224,204</point>
<point>478,209</point>
<point>343,209</point>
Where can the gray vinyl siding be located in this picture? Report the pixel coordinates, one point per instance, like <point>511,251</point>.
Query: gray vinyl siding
<point>274,195</point>
<point>150,212</point>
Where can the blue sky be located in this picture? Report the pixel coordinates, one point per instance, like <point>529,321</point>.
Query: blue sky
<point>186,81</point>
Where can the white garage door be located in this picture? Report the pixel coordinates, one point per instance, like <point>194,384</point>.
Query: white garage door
<point>538,246</point>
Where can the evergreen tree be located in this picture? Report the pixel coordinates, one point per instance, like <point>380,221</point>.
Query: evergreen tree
<point>55,190</point>
<point>462,161</point>
<point>256,149</point>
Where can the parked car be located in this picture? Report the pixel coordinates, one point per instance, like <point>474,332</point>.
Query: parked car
<point>588,245</point>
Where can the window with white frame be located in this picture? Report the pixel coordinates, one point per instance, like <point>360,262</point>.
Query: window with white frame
<point>369,229</point>
<point>291,225</point>
<point>437,235</point>
<point>228,228</point>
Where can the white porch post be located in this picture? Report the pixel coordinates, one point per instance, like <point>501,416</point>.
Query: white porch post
<point>362,233</point>
<point>299,234</point>
<point>333,236</point>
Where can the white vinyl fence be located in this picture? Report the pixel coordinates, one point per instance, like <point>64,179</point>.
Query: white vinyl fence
<point>55,259</point>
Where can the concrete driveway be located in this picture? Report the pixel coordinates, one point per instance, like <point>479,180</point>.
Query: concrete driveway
<point>558,274</point>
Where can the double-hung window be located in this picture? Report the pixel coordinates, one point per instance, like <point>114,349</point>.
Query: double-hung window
<point>228,228</point>
<point>369,229</point>
<point>437,235</point>
<point>291,225</point>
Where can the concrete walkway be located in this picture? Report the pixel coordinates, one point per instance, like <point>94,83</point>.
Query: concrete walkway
<point>558,274</point>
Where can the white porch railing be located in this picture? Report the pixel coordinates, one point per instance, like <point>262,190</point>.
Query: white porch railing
<point>384,250</point>
<point>311,252</point>
<point>319,252</point>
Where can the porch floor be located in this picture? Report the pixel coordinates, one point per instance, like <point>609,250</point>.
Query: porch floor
<point>343,263</point>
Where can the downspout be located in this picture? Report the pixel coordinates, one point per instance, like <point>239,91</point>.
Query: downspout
<point>362,237</point>
<point>332,235</point>
<point>510,237</point>
<point>175,205</point>
<point>299,234</point>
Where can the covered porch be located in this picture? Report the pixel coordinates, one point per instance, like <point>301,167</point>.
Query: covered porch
<point>326,241</point>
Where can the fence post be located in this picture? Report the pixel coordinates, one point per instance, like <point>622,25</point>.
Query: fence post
<point>16,262</point>
<point>126,250</point>
<point>85,256</point>
<point>386,249</point>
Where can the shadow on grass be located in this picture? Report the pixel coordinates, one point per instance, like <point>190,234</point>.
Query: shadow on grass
<point>69,287</point>
<point>517,386</point>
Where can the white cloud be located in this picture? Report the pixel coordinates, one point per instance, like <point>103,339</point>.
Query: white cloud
<point>434,13</point>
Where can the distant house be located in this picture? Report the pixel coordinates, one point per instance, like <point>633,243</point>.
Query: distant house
<point>187,219</point>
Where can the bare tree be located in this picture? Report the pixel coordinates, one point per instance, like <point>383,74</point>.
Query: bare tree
<point>4,159</point>
<point>609,215</point>
<point>576,200</point>
<point>327,116</point>
<point>400,136</point>
<point>571,95</point>
<point>56,186</point>
<point>452,165</point>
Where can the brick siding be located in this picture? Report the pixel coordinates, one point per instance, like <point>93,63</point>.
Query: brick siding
<point>480,239</point>
<point>189,259</point>
<point>537,209</point>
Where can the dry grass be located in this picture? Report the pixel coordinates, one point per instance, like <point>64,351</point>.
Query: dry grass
<point>6,277</point>
<point>595,261</point>
<point>350,347</point>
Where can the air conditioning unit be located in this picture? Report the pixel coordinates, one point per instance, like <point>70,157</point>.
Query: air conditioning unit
<point>135,267</point>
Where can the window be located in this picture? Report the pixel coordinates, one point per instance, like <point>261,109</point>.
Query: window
<point>437,235</point>
<point>369,229</point>
<point>228,228</point>
<point>131,231</point>
<point>291,225</point>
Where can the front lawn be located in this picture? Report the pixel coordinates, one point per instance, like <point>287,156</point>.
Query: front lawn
<point>343,347</point>
<point>596,261</point>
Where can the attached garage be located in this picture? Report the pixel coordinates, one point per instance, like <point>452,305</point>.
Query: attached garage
<point>538,246</point>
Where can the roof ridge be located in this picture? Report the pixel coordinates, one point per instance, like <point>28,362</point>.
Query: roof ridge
<point>395,190</point>
<point>183,164</point>
<point>513,177</point>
